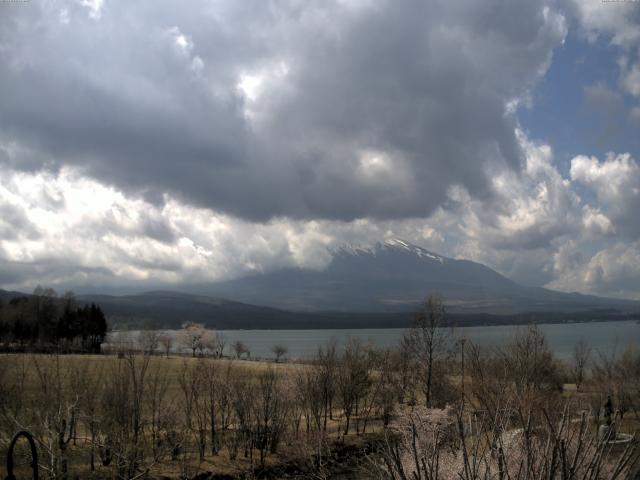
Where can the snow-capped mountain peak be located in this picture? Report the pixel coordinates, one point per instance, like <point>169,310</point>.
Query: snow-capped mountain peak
<point>388,245</point>
<point>353,249</point>
<point>419,251</point>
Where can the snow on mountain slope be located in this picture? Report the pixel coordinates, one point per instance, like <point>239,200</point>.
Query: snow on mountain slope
<point>419,251</point>
<point>389,244</point>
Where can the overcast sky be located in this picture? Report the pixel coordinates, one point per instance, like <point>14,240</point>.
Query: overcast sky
<point>161,142</point>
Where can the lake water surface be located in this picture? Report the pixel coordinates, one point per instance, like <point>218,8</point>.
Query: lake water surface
<point>604,337</point>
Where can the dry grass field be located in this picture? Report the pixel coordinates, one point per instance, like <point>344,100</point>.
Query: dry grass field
<point>392,414</point>
<point>41,389</point>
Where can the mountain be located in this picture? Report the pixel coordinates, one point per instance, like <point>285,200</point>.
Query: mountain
<point>6,295</point>
<point>395,276</point>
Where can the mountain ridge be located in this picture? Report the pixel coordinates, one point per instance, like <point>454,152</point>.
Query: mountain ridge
<point>396,275</point>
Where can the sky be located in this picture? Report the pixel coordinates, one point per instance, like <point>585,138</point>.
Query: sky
<point>158,143</point>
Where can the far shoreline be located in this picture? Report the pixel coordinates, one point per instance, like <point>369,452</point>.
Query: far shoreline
<point>368,321</point>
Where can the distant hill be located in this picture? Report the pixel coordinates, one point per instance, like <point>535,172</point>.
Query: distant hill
<point>169,309</point>
<point>6,295</point>
<point>395,276</point>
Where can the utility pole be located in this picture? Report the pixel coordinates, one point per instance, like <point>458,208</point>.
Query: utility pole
<point>462,342</point>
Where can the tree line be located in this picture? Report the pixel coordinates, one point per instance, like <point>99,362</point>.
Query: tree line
<point>44,321</point>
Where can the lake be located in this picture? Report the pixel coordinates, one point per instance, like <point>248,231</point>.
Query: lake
<point>604,337</point>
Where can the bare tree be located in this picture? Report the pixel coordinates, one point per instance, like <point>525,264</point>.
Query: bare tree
<point>244,403</point>
<point>166,341</point>
<point>208,344</point>
<point>224,380</point>
<point>56,412</point>
<point>121,437</point>
<point>92,387</point>
<point>382,395</point>
<point>193,384</point>
<point>530,362</point>
<point>618,376</point>
<point>159,411</point>
<point>279,351</point>
<point>524,371</point>
<point>239,348</point>
<point>428,340</point>
<point>123,343</point>
<point>148,341</point>
<point>581,354</point>
<point>327,361</point>
<point>354,379</point>
<point>403,373</point>
<point>308,395</point>
<point>270,413</point>
<point>221,339</point>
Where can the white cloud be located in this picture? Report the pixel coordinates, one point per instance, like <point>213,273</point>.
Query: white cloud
<point>616,23</point>
<point>613,271</point>
<point>64,230</point>
<point>630,76</point>
<point>63,16</point>
<point>616,20</point>
<point>94,8</point>
<point>594,221</point>
<point>530,209</point>
<point>616,183</point>
<point>249,85</point>
<point>184,45</point>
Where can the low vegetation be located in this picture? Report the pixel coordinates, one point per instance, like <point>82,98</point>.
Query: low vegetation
<point>422,410</point>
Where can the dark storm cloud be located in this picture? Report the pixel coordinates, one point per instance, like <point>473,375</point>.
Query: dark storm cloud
<point>15,223</point>
<point>145,223</point>
<point>145,96</point>
<point>46,271</point>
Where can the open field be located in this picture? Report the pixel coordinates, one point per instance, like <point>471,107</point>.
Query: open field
<point>359,412</point>
<point>41,391</point>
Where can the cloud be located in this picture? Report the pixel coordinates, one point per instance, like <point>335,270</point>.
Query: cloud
<point>617,24</point>
<point>596,222</point>
<point>617,21</point>
<point>94,8</point>
<point>613,271</point>
<point>68,231</point>
<point>529,215</point>
<point>272,110</point>
<point>65,230</point>
<point>630,77</point>
<point>144,144</point>
<point>615,182</point>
